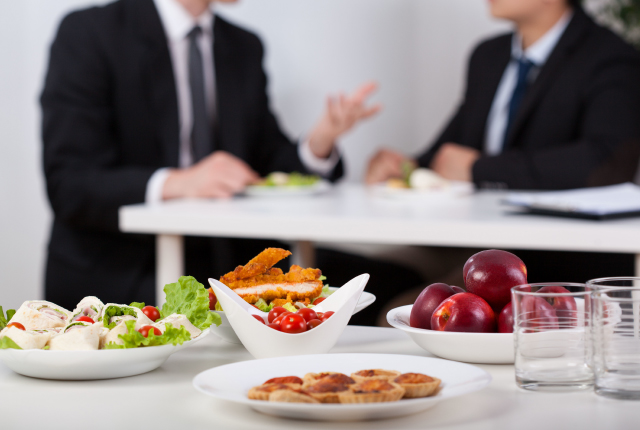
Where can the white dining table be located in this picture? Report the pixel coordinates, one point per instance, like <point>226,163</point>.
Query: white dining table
<point>166,399</point>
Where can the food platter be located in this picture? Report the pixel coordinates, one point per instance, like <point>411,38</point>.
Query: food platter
<point>232,382</point>
<point>287,191</point>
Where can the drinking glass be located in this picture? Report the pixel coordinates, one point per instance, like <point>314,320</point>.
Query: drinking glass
<point>552,336</point>
<point>616,337</point>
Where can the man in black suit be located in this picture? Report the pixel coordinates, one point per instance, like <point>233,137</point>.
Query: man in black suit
<point>148,100</point>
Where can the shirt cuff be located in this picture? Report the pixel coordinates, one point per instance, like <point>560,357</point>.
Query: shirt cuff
<point>153,194</point>
<point>317,165</point>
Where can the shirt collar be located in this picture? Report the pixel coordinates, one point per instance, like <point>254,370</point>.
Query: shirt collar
<point>177,22</point>
<point>542,48</point>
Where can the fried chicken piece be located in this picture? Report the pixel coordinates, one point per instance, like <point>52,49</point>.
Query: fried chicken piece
<point>274,276</point>
<point>258,265</point>
<point>290,292</point>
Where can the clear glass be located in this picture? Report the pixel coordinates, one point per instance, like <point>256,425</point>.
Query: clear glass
<point>552,336</point>
<point>616,337</point>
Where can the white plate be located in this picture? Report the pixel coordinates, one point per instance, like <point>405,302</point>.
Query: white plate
<point>287,191</point>
<point>490,348</point>
<point>225,331</point>
<point>233,381</point>
<point>456,189</point>
<point>88,365</point>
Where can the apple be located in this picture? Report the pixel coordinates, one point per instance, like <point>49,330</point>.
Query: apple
<point>538,313</point>
<point>457,289</point>
<point>427,301</point>
<point>505,319</point>
<point>565,306</point>
<point>491,274</point>
<point>464,312</point>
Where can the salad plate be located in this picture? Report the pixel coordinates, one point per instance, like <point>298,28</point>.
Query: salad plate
<point>275,191</point>
<point>232,382</point>
<point>454,189</point>
<point>90,365</point>
<point>226,332</point>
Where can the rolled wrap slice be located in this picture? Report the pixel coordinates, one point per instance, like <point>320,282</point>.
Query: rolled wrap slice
<point>113,314</point>
<point>39,314</point>
<point>90,307</point>
<point>112,335</point>
<point>26,339</point>
<point>177,320</point>
<point>77,336</point>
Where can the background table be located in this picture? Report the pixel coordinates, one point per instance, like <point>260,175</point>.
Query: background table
<point>165,398</point>
<point>350,213</point>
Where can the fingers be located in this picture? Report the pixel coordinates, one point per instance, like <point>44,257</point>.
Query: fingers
<point>384,165</point>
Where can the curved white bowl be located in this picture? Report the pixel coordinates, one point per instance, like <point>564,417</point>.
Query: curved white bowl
<point>488,348</point>
<point>264,342</point>
<point>89,365</point>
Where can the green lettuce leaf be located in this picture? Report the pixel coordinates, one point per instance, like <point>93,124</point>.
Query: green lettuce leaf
<point>134,339</point>
<point>116,311</point>
<point>263,305</point>
<point>137,305</point>
<point>7,343</point>
<point>3,320</point>
<point>326,292</point>
<point>188,297</point>
<point>219,307</point>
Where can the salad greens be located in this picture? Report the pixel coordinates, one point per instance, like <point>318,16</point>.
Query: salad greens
<point>294,179</point>
<point>3,320</point>
<point>116,311</point>
<point>189,298</point>
<point>134,339</point>
<point>260,304</point>
<point>137,305</point>
<point>7,343</point>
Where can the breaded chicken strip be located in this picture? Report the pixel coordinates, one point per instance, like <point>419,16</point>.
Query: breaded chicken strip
<point>259,265</point>
<point>289,291</point>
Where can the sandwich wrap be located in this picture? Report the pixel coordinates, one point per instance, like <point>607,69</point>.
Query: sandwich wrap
<point>177,320</point>
<point>26,339</point>
<point>39,314</point>
<point>90,307</point>
<point>112,314</point>
<point>112,335</point>
<point>77,336</point>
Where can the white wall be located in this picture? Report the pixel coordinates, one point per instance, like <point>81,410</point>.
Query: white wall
<point>415,49</point>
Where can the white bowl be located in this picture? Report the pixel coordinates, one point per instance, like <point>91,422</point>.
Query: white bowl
<point>264,342</point>
<point>89,365</point>
<point>488,348</point>
<point>226,332</point>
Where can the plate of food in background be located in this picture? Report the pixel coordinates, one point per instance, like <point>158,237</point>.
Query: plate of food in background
<point>280,184</point>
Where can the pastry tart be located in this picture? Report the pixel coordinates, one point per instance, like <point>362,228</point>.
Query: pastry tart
<point>363,375</point>
<point>372,391</point>
<point>289,380</point>
<point>417,385</point>
<point>312,378</point>
<point>326,391</point>
<point>262,392</point>
<point>292,396</point>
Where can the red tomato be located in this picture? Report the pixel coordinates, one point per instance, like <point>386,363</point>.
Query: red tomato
<point>259,318</point>
<point>278,320</point>
<point>276,312</point>
<point>274,326</point>
<point>256,307</point>
<point>151,312</point>
<point>85,319</point>
<point>313,323</point>
<point>320,315</point>
<point>147,328</point>
<point>326,316</point>
<point>307,314</point>
<point>16,325</point>
<point>319,300</point>
<point>293,323</point>
<point>212,300</point>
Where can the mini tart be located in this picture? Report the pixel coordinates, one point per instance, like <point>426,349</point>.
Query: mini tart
<point>363,375</point>
<point>292,396</point>
<point>326,391</point>
<point>262,392</point>
<point>417,385</point>
<point>289,380</point>
<point>372,391</point>
<point>312,378</point>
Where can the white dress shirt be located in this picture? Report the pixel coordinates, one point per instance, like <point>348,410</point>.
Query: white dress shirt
<point>177,23</point>
<point>537,54</point>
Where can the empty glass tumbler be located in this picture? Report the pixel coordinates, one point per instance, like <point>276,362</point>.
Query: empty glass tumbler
<point>552,336</point>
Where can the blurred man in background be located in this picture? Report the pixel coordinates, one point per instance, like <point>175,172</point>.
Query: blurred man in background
<point>150,100</point>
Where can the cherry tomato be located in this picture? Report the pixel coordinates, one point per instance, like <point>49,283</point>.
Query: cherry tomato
<point>319,300</point>
<point>144,330</point>
<point>293,323</point>
<point>274,326</point>
<point>259,318</point>
<point>85,319</point>
<point>256,307</point>
<point>151,312</point>
<point>326,316</point>
<point>313,323</point>
<point>16,325</point>
<point>276,312</point>
<point>212,300</point>
<point>308,314</point>
<point>320,315</point>
<point>278,320</point>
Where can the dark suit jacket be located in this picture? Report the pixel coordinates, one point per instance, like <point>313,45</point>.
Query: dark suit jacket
<point>578,124</point>
<point>110,119</point>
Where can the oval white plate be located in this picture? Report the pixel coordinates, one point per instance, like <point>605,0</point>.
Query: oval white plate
<point>88,365</point>
<point>489,348</point>
<point>455,190</point>
<point>226,332</point>
<point>233,381</point>
<point>287,191</point>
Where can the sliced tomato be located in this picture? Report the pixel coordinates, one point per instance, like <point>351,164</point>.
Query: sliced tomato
<point>259,318</point>
<point>212,300</point>
<point>85,319</point>
<point>319,300</point>
<point>16,325</point>
<point>144,330</point>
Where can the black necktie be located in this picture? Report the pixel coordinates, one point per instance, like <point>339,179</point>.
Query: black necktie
<point>524,69</point>
<point>201,142</point>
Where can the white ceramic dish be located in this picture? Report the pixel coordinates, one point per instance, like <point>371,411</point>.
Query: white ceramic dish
<point>89,365</point>
<point>226,332</point>
<point>233,381</point>
<point>488,348</point>
<point>264,342</point>
<point>456,189</point>
<point>287,191</point>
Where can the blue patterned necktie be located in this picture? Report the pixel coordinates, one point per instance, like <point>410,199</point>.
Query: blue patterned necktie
<point>524,70</point>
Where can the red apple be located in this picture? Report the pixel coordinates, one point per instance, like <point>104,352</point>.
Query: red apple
<point>565,306</point>
<point>505,319</point>
<point>457,289</point>
<point>427,301</point>
<point>491,274</point>
<point>537,315</point>
<point>464,312</point>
